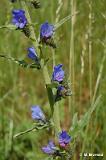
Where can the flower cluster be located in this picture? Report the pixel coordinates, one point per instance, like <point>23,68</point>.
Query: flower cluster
<point>34,57</point>
<point>63,140</point>
<point>37,114</point>
<point>63,89</point>
<point>50,148</point>
<point>32,54</point>
<point>58,73</point>
<point>33,62</point>
<point>19,18</point>
<point>46,34</point>
<point>46,31</point>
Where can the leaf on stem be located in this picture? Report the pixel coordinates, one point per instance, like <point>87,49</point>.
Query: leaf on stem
<point>22,63</point>
<point>78,125</point>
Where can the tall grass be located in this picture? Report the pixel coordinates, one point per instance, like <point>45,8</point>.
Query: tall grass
<point>72,59</point>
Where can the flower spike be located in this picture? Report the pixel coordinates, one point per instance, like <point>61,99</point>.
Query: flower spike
<point>64,139</point>
<point>58,73</point>
<point>37,113</point>
<point>19,19</point>
<point>50,148</point>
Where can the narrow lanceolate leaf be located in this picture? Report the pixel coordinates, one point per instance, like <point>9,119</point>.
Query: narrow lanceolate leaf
<point>53,85</point>
<point>34,128</point>
<point>9,58</point>
<point>51,97</point>
<point>78,125</point>
<point>22,63</point>
<point>61,22</point>
<point>9,26</point>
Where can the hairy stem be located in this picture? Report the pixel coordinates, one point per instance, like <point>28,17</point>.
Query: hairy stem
<point>24,132</point>
<point>44,68</point>
<point>56,119</point>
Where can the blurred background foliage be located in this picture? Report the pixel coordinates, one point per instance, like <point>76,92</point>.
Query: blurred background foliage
<point>20,88</point>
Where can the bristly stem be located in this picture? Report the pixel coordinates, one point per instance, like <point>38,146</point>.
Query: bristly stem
<point>32,33</point>
<point>44,68</point>
<point>35,43</point>
<point>56,119</point>
<point>35,128</point>
<point>24,132</point>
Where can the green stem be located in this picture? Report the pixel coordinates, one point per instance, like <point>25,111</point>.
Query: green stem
<point>56,119</point>
<point>72,59</point>
<point>24,132</point>
<point>35,43</point>
<point>44,69</point>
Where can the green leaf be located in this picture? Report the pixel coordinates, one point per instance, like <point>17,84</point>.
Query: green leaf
<point>78,125</point>
<point>22,63</point>
<point>62,21</point>
<point>53,85</point>
<point>75,120</point>
<point>51,97</point>
<point>9,26</point>
<point>51,89</point>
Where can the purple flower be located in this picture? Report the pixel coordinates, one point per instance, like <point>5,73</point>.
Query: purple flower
<point>37,113</point>
<point>19,18</point>
<point>58,73</point>
<point>60,93</point>
<point>64,139</point>
<point>32,53</point>
<point>60,89</point>
<point>50,148</point>
<point>46,31</point>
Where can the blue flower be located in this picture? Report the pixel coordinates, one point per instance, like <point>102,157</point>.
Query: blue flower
<point>60,89</point>
<point>46,31</point>
<point>32,53</point>
<point>58,73</point>
<point>60,93</point>
<point>64,139</point>
<point>37,113</point>
<point>19,18</point>
<point>50,148</point>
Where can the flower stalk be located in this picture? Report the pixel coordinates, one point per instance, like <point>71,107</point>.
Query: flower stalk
<point>54,107</point>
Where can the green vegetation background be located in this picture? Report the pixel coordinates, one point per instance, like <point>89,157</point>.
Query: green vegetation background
<point>20,88</point>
